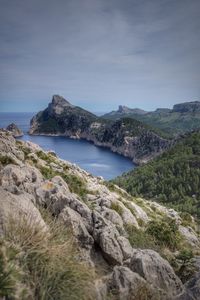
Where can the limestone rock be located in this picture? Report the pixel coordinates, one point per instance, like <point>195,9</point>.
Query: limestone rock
<point>73,219</point>
<point>130,285</point>
<point>8,147</point>
<point>193,287</point>
<point>157,271</point>
<point>17,209</point>
<point>16,132</point>
<point>20,178</point>
<point>110,247</point>
<point>141,214</point>
<point>112,216</point>
<point>115,248</point>
<point>189,235</point>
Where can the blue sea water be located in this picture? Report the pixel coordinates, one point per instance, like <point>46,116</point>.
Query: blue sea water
<point>98,161</point>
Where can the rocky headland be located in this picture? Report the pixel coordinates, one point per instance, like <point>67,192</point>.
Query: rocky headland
<point>128,137</point>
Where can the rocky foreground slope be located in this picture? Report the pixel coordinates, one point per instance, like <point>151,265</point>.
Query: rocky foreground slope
<point>128,137</point>
<point>108,245</point>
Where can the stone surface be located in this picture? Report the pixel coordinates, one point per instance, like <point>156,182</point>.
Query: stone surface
<point>190,236</point>
<point>20,178</point>
<point>18,209</point>
<point>157,271</point>
<point>15,131</point>
<point>73,219</point>
<point>129,285</point>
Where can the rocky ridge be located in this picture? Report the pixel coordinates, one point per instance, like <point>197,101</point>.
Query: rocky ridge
<point>183,117</point>
<point>104,220</point>
<point>128,137</point>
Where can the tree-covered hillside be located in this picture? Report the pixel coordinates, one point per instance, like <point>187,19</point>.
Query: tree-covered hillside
<point>173,178</point>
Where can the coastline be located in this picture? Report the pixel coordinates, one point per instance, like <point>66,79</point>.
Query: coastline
<point>123,152</point>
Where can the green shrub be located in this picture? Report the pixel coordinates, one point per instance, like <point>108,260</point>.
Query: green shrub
<point>5,160</point>
<point>116,206</point>
<point>50,264</point>
<point>186,219</point>
<point>9,273</point>
<point>141,239</point>
<point>165,232</point>
<point>185,263</point>
<point>46,157</point>
<point>47,172</point>
<point>75,183</point>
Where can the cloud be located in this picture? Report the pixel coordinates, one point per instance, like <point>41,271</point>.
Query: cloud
<point>99,53</point>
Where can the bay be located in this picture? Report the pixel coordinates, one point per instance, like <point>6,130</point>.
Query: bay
<point>99,161</point>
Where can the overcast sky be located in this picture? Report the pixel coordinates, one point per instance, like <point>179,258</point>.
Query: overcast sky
<point>99,53</point>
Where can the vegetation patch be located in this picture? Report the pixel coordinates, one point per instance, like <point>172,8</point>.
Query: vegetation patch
<point>141,239</point>
<point>76,184</point>
<point>165,232</point>
<point>46,157</point>
<point>42,265</point>
<point>117,207</point>
<point>164,179</point>
<point>5,160</point>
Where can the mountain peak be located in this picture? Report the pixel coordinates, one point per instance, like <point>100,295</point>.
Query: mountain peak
<point>58,104</point>
<point>59,100</point>
<point>126,110</point>
<point>123,109</point>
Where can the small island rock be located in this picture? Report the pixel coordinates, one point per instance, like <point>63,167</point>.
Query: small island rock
<point>16,131</point>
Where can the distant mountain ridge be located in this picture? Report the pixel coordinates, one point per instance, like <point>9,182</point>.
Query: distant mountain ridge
<point>181,118</point>
<point>126,136</point>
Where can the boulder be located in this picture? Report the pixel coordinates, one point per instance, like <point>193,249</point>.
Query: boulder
<point>129,285</point>
<point>126,215</point>
<point>73,219</point>
<point>19,179</point>
<point>189,235</point>
<point>56,195</point>
<point>110,247</point>
<point>139,212</point>
<point>112,216</point>
<point>15,131</point>
<point>18,209</point>
<point>115,248</point>
<point>157,271</point>
<point>8,147</point>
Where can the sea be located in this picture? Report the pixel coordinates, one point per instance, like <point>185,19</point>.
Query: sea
<point>98,161</point>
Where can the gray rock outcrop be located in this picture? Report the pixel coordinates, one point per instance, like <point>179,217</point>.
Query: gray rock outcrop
<point>157,271</point>
<point>16,132</point>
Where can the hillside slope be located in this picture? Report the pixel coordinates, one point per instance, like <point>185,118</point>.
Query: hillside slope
<point>182,118</point>
<point>128,137</point>
<point>173,178</point>
<point>68,235</point>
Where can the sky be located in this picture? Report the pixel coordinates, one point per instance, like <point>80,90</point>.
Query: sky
<point>99,54</point>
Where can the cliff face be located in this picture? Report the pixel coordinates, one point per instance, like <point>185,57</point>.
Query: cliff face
<point>187,107</point>
<point>128,137</point>
<point>115,235</point>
